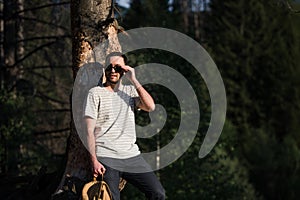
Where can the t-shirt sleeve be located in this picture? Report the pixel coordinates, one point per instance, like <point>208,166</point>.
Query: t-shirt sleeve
<point>134,93</point>
<point>135,96</point>
<point>91,105</point>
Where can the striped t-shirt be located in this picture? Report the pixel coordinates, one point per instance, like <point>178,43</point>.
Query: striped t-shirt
<point>115,134</point>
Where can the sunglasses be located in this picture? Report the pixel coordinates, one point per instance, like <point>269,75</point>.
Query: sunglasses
<point>117,68</point>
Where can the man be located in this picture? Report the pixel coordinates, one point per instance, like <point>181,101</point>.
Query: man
<point>111,136</point>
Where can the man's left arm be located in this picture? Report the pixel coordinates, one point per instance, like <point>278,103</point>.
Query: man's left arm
<point>145,101</point>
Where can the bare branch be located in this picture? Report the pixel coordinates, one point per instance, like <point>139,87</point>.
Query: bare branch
<point>45,37</point>
<point>45,22</point>
<point>48,66</point>
<point>41,76</point>
<point>288,5</point>
<point>30,53</point>
<point>53,110</point>
<point>46,97</point>
<point>52,131</point>
<point>43,6</point>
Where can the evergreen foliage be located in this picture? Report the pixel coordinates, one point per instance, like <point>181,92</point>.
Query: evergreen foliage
<point>150,13</point>
<point>256,50</point>
<point>35,109</point>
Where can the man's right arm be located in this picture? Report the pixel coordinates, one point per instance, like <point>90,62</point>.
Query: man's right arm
<point>98,168</point>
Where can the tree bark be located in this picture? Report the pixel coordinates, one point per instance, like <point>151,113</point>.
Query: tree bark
<point>94,35</point>
<point>2,75</point>
<point>20,38</point>
<point>185,14</point>
<point>11,50</point>
<point>2,62</point>
<point>196,16</point>
<point>10,40</point>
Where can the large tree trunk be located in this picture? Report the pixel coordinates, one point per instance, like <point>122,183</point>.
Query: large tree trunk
<point>94,35</point>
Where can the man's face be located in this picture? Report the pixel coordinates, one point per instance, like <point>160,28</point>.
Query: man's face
<point>113,72</point>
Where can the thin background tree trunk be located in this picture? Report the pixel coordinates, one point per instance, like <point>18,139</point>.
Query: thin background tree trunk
<point>2,62</point>
<point>11,50</point>
<point>20,37</point>
<point>10,39</point>
<point>185,14</point>
<point>92,24</point>
<point>2,74</point>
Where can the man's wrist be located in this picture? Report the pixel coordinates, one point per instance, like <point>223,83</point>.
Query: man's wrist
<point>94,158</point>
<point>136,84</point>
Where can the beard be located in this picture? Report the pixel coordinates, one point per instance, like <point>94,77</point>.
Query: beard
<point>112,82</point>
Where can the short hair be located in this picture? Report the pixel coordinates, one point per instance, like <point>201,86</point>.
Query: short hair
<point>116,53</point>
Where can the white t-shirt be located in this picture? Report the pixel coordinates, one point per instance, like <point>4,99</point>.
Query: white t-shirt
<point>115,134</point>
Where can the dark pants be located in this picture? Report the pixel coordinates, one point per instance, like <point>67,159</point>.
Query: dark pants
<point>146,182</point>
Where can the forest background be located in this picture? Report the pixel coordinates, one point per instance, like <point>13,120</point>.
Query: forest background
<point>254,43</point>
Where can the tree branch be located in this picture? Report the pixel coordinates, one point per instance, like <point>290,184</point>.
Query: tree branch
<point>43,6</point>
<point>41,76</point>
<point>288,5</point>
<point>30,53</point>
<point>44,22</point>
<point>51,131</point>
<point>43,96</point>
<point>53,110</point>
<point>49,66</point>
<point>45,37</point>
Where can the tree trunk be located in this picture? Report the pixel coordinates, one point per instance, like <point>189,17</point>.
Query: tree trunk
<point>185,14</point>
<point>2,75</point>
<point>196,16</point>
<point>13,33</point>
<point>94,35</point>
<point>2,62</point>
<point>10,73</point>
<point>11,51</point>
<point>20,37</point>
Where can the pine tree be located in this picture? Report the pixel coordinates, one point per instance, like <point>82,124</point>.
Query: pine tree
<point>254,46</point>
<point>144,13</point>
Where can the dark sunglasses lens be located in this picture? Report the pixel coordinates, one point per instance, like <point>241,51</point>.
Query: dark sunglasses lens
<point>109,67</point>
<point>118,68</point>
